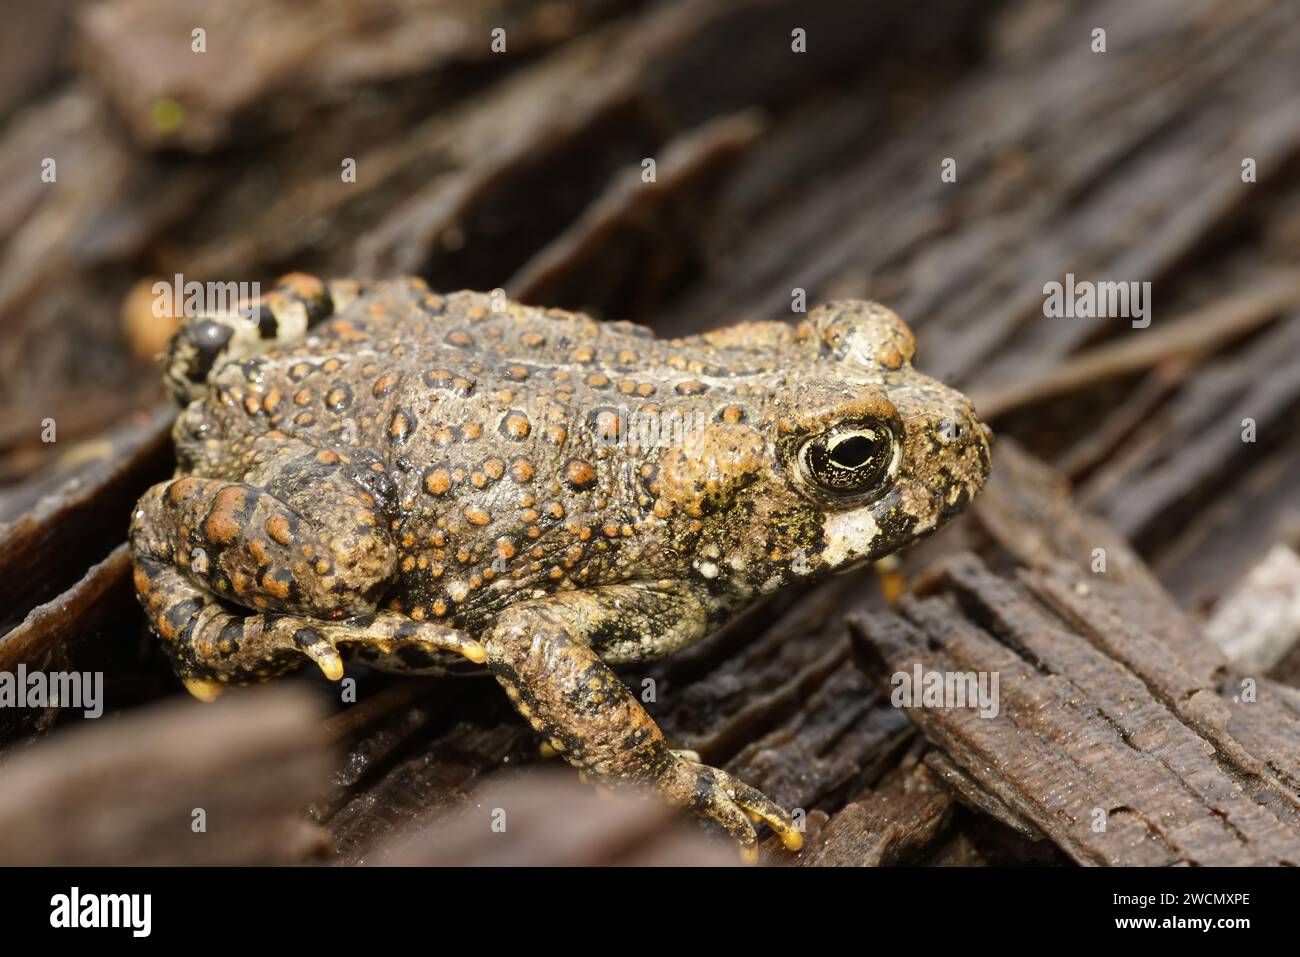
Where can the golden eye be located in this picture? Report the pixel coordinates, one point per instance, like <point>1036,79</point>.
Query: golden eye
<point>850,460</point>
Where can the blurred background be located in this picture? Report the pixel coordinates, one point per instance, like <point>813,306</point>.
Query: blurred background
<point>500,143</point>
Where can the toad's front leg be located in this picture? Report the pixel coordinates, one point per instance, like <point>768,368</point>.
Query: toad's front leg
<point>542,653</point>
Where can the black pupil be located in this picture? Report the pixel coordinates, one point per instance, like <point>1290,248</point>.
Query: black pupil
<point>853,452</point>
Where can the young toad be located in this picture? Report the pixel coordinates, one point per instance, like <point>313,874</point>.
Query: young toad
<point>446,483</point>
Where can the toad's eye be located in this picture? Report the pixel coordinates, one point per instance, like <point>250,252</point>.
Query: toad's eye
<point>850,460</point>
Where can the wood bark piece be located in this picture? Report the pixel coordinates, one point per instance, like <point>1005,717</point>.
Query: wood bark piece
<point>378,745</point>
<point>434,778</point>
<point>1114,708</point>
<point>1183,456</point>
<point>1252,511</point>
<point>1203,331</point>
<point>969,791</point>
<point>82,515</point>
<point>264,53</point>
<point>634,219</point>
<point>53,637</point>
<point>1031,202</point>
<point>890,824</point>
<point>1186,485</point>
<point>127,790</point>
<point>549,819</point>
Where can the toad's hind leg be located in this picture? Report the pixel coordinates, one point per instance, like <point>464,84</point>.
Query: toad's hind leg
<point>211,646</point>
<point>203,547</point>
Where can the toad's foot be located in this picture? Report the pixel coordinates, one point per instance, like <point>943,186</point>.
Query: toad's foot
<point>717,796</point>
<point>388,633</point>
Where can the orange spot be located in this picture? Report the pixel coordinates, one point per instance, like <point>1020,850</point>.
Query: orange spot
<point>516,425</point>
<point>275,586</point>
<point>579,474</point>
<point>277,526</point>
<point>223,525</point>
<point>257,548</point>
<point>437,482</point>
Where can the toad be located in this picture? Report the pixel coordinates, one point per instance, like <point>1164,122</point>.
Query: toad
<point>448,483</point>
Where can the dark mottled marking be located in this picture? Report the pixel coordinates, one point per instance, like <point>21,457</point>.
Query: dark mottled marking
<point>267,324</point>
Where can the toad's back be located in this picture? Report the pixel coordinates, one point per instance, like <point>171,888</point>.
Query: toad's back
<point>492,435</point>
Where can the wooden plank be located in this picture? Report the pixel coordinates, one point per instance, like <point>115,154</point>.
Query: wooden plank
<point>137,789</point>
<point>1117,735</point>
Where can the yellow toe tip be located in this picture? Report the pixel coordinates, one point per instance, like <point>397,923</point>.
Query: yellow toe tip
<point>332,668</point>
<point>475,652</point>
<point>749,853</point>
<point>792,840</point>
<point>202,688</point>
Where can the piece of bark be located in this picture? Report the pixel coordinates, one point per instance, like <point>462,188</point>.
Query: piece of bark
<point>970,793</point>
<point>1186,455</point>
<point>376,750</point>
<point>261,57</point>
<point>1114,709</point>
<point>1063,760</point>
<point>548,819</point>
<point>31,51</point>
<point>78,211</point>
<point>635,222</point>
<point>1208,328</point>
<point>434,779</point>
<point>1250,513</point>
<point>958,851</point>
<point>129,790</point>
<point>81,515</point>
<point>890,824</point>
<point>54,636</point>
